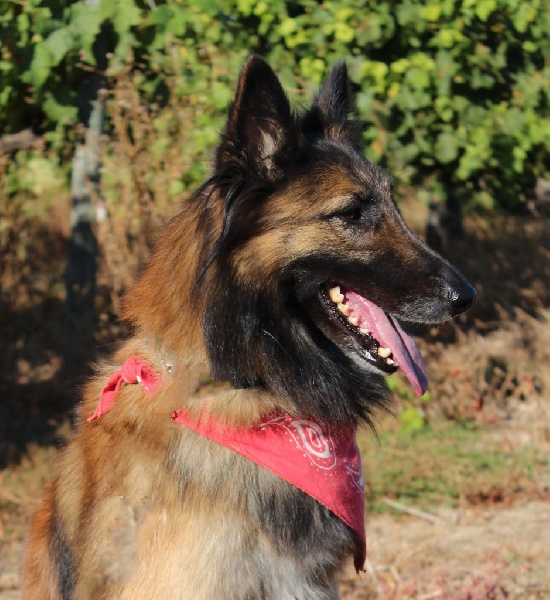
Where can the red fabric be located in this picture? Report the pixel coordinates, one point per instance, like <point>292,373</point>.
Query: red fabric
<point>320,459</point>
<point>133,370</point>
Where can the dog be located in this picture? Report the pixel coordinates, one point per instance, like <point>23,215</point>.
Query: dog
<point>286,276</point>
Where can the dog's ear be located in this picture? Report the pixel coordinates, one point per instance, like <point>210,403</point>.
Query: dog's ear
<point>259,124</point>
<point>329,113</point>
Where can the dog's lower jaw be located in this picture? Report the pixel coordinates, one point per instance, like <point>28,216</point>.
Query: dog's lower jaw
<point>292,355</point>
<point>364,365</point>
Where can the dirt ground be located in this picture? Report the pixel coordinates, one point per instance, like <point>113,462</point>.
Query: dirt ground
<point>491,369</point>
<point>467,554</point>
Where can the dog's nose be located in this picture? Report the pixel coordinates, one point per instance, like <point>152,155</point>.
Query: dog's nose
<point>462,298</point>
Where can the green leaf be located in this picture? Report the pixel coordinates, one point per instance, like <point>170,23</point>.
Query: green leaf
<point>39,68</point>
<point>287,27</point>
<point>485,200</point>
<point>162,15</point>
<point>312,69</point>
<point>411,420</point>
<point>221,95</point>
<point>58,44</point>
<point>23,22</point>
<point>60,111</point>
<point>431,12</point>
<point>343,33</point>
<point>128,15</point>
<point>418,78</point>
<point>85,21</point>
<point>407,12</point>
<point>523,16</point>
<point>484,8</point>
<point>5,93</point>
<point>446,149</point>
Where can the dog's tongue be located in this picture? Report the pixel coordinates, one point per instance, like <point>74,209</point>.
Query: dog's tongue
<point>387,331</point>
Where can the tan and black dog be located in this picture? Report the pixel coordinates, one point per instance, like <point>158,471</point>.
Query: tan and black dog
<point>286,275</point>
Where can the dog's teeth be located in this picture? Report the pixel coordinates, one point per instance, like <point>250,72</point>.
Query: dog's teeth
<point>383,352</point>
<point>354,321</point>
<point>391,362</point>
<point>336,295</point>
<point>363,331</point>
<point>343,308</point>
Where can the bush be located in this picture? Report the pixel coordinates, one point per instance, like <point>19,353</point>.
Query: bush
<point>454,92</point>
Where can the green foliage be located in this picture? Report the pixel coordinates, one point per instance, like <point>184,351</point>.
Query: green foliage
<point>454,92</point>
<point>411,419</point>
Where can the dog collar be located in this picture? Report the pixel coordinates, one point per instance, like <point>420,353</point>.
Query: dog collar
<point>321,459</point>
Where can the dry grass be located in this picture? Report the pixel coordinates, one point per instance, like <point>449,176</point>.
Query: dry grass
<point>149,161</point>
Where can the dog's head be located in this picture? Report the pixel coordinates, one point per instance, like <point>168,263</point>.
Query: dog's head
<point>314,266</point>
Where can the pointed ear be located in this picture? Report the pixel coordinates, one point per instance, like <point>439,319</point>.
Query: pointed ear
<point>260,121</point>
<point>328,115</point>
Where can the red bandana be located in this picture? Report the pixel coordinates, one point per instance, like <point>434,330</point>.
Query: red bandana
<point>320,459</point>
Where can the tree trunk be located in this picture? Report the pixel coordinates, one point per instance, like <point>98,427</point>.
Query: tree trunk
<point>80,274</point>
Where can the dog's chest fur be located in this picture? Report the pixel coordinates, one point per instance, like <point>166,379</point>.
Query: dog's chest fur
<point>185,531</point>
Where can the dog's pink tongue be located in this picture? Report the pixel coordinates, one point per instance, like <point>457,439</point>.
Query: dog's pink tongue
<point>387,331</point>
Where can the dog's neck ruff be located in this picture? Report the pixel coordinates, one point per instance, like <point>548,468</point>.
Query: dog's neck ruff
<point>321,459</point>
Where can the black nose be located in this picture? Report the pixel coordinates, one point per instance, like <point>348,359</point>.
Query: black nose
<point>462,298</point>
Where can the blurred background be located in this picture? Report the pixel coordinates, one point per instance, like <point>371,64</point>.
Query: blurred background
<point>109,112</point>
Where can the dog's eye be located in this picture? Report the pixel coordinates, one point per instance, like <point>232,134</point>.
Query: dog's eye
<point>351,214</point>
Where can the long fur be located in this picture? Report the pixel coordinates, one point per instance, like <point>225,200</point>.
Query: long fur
<point>140,507</point>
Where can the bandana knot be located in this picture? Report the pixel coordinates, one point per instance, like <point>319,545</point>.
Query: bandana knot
<point>133,370</point>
